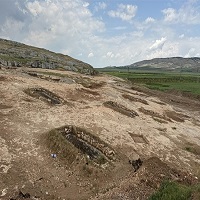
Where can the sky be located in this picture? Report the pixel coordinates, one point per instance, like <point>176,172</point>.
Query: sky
<point>105,32</point>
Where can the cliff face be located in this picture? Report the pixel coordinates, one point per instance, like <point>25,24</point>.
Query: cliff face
<point>14,54</point>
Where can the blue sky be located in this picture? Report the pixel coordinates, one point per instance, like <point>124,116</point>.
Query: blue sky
<point>105,32</point>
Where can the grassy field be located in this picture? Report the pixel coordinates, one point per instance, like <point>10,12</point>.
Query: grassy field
<point>184,82</point>
<point>176,191</point>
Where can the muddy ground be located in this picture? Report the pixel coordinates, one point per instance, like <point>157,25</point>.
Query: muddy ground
<point>113,122</point>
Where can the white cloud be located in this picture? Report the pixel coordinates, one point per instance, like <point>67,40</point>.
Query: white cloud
<point>181,36</point>
<point>158,44</point>
<point>11,26</point>
<point>55,24</point>
<point>149,20</point>
<point>192,53</point>
<point>100,6</point>
<point>110,54</point>
<point>34,8</point>
<point>187,14</point>
<point>124,12</point>
<point>169,50</point>
<point>86,4</point>
<point>170,15</point>
<point>90,55</point>
<point>120,27</point>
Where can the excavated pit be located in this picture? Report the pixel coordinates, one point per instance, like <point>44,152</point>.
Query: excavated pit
<point>154,115</point>
<point>138,138</point>
<point>91,146</point>
<point>44,95</point>
<point>135,99</point>
<point>178,117</point>
<point>120,108</point>
<point>43,76</point>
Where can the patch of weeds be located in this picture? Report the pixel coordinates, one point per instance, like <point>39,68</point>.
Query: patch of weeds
<point>59,145</point>
<point>172,191</point>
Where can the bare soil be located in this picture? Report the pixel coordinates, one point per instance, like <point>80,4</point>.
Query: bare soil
<point>94,125</point>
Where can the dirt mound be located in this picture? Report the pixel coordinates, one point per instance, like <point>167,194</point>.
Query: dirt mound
<point>153,114</point>
<point>147,179</point>
<point>120,108</point>
<point>75,140</point>
<point>176,116</point>
<point>131,98</point>
<point>45,95</point>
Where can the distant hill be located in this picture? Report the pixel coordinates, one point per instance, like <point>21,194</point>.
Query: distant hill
<point>166,64</point>
<point>14,54</point>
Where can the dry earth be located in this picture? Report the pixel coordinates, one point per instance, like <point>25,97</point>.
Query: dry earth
<point>161,129</point>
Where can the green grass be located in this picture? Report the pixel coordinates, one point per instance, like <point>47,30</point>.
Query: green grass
<point>172,191</point>
<point>59,145</point>
<point>163,81</point>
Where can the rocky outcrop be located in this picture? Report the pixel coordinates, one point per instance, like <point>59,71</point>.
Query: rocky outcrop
<point>14,54</point>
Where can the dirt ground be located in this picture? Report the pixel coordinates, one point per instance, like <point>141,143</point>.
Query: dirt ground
<point>164,133</point>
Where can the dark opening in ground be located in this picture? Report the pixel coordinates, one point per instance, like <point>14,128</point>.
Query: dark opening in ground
<point>135,99</point>
<point>120,108</point>
<point>78,138</point>
<point>45,95</point>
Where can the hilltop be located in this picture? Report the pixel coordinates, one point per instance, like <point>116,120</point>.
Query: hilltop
<point>15,54</point>
<point>173,64</point>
